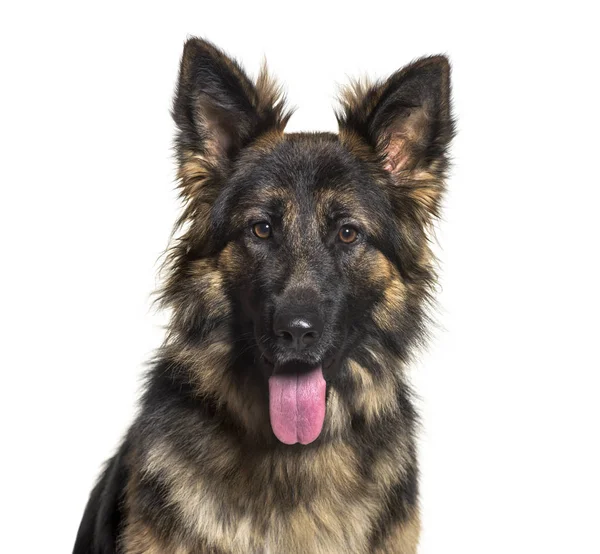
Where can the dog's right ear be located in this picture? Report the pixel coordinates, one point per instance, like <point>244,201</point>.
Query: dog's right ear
<point>218,109</point>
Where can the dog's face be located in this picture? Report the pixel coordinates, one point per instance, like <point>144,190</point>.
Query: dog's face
<point>306,226</point>
<point>315,243</point>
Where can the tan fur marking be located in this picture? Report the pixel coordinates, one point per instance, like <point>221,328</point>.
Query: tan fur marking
<point>270,95</point>
<point>139,539</point>
<point>318,529</point>
<point>387,311</point>
<point>373,399</point>
<point>337,418</point>
<point>209,281</point>
<point>360,94</point>
<point>390,466</point>
<point>268,141</point>
<point>357,145</point>
<point>230,261</point>
<point>404,538</point>
<point>381,270</point>
<point>193,172</point>
<point>426,189</point>
<point>291,217</point>
<point>336,466</point>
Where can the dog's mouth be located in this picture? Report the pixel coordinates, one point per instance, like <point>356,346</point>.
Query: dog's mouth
<point>297,393</point>
<point>293,366</point>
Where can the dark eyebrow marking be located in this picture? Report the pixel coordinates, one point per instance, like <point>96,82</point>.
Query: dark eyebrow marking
<point>334,205</point>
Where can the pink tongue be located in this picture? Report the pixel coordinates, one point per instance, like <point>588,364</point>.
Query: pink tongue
<point>297,406</point>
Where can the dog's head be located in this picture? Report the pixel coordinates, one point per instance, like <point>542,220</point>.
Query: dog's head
<point>310,249</point>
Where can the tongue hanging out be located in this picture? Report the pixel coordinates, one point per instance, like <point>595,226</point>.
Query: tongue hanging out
<point>297,406</point>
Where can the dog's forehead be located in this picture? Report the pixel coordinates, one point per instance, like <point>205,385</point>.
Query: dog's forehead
<point>303,167</point>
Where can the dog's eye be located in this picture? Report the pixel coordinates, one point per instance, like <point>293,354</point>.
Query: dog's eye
<point>262,230</point>
<point>348,234</point>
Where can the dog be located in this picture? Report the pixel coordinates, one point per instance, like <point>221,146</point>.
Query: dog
<point>277,417</point>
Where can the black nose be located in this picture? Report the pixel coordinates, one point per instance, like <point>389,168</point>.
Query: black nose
<point>297,331</point>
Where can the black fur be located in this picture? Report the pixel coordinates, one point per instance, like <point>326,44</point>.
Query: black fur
<point>103,514</point>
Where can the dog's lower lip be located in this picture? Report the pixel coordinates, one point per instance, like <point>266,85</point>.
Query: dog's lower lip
<point>325,364</point>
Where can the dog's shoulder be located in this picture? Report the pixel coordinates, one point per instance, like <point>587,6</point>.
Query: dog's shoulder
<point>103,515</point>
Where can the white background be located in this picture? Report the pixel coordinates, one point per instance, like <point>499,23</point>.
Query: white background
<point>509,387</point>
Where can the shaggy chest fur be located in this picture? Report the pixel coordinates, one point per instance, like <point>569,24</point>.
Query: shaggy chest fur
<point>318,500</point>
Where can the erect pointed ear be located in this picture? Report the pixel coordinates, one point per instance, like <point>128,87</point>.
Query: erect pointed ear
<point>218,109</point>
<point>405,119</point>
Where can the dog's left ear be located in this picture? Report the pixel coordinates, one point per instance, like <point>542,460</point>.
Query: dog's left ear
<point>406,120</point>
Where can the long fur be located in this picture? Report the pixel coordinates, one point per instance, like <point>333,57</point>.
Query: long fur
<point>200,470</point>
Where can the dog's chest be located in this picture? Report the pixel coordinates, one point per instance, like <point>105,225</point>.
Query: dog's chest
<point>324,525</point>
<point>315,501</point>
<point>288,509</point>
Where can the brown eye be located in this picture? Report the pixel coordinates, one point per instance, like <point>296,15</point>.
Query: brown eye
<point>348,234</point>
<point>262,230</point>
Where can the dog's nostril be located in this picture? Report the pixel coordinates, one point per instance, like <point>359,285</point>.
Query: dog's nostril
<point>310,338</point>
<point>286,336</point>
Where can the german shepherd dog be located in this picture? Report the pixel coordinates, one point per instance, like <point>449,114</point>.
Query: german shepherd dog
<point>277,417</point>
